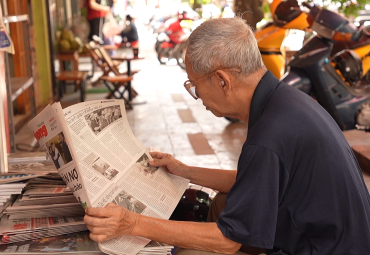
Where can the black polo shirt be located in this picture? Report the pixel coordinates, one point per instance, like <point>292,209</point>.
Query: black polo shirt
<point>299,188</point>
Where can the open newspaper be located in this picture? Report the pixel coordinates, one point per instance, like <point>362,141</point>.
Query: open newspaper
<point>101,161</point>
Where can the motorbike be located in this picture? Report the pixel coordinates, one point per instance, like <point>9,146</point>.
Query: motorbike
<point>160,33</point>
<point>271,36</point>
<point>334,81</point>
<point>176,35</point>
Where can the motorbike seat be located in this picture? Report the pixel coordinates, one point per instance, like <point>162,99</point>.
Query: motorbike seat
<point>286,11</point>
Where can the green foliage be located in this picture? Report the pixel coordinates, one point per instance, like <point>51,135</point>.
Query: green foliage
<point>266,10</point>
<point>347,7</point>
<point>351,7</point>
<point>201,2</point>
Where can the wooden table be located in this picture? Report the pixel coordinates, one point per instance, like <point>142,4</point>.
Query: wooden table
<point>69,56</point>
<point>74,57</point>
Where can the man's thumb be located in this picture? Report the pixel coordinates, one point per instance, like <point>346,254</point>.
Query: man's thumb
<point>156,162</point>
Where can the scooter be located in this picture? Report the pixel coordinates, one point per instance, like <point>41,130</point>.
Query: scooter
<point>181,49</point>
<point>176,35</point>
<point>271,36</point>
<point>160,33</point>
<point>335,82</point>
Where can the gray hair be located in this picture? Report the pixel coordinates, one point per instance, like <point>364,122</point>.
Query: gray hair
<point>224,43</point>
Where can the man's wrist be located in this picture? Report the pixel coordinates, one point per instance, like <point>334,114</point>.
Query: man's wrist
<point>187,172</point>
<point>135,224</point>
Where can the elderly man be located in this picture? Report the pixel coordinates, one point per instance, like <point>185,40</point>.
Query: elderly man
<point>298,188</point>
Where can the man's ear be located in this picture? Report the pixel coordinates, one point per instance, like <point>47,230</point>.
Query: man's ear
<point>224,81</point>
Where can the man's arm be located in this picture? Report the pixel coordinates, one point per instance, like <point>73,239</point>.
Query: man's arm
<point>98,7</point>
<point>221,180</point>
<point>113,221</point>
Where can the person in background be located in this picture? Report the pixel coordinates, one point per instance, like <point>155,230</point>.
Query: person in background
<point>129,33</point>
<point>95,15</point>
<point>110,40</point>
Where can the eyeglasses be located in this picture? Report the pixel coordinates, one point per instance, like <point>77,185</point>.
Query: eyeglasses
<point>191,88</point>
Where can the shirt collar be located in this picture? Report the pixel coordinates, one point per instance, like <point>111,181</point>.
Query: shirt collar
<point>264,89</point>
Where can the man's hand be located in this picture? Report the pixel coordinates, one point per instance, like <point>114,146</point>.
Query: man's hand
<point>109,222</point>
<point>170,164</point>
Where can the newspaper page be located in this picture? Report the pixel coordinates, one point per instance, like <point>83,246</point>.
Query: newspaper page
<point>115,168</point>
<point>51,132</point>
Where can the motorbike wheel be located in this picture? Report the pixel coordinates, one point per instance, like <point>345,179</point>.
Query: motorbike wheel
<point>158,45</point>
<point>164,56</point>
<point>180,56</point>
<point>232,120</point>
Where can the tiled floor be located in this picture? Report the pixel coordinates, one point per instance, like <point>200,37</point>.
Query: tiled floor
<point>174,122</point>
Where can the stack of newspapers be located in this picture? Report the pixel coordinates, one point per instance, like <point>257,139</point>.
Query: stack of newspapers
<point>22,171</point>
<point>45,208</point>
<point>8,190</point>
<point>12,184</point>
<point>34,222</point>
<point>74,243</point>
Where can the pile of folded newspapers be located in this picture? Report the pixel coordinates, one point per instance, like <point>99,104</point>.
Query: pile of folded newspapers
<point>39,203</point>
<point>46,208</point>
<point>75,243</point>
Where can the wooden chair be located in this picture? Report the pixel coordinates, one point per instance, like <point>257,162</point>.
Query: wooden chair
<point>96,51</point>
<point>115,81</point>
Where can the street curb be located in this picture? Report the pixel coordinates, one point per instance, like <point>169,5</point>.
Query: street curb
<point>362,154</point>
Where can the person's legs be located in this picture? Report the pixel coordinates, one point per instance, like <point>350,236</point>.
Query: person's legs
<point>94,28</point>
<point>218,204</point>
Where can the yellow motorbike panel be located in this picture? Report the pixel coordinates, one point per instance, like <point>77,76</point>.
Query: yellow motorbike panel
<point>363,52</point>
<point>275,63</point>
<point>270,40</point>
<point>298,23</point>
<point>366,64</point>
<point>270,37</point>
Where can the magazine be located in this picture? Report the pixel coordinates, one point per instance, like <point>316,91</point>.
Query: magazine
<point>97,155</point>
